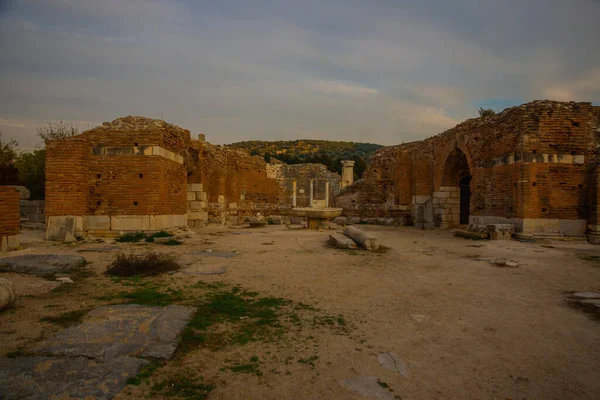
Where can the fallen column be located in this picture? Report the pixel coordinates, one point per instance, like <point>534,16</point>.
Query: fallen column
<point>362,238</point>
<point>341,242</point>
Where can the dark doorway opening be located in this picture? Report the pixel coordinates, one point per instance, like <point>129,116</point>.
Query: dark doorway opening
<point>465,199</point>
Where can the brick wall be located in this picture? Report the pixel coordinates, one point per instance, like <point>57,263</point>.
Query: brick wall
<point>531,161</point>
<point>10,215</point>
<point>112,170</point>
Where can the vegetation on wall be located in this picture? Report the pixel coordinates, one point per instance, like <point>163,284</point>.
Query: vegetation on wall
<point>329,153</point>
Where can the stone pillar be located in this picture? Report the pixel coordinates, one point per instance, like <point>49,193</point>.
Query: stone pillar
<point>294,193</point>
<point>347,173</point>
<point>312,190</point>
<point>326,194</point>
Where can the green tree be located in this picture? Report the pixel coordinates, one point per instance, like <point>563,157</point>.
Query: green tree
<point>8,154</point>
<point>486,112</point>
<point>32,172</point>
<point>267,157</point>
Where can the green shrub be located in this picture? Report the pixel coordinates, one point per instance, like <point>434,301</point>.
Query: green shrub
<point>148,264</point>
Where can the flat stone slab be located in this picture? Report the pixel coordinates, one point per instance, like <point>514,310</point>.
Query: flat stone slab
<point>202,271</point>
<point>367,386</point>
<point>591,302</point>
<point>106,249</point>
<point>392,362</point>
<point>41,264</point>
<point>586,295</point>
<point>65,378</point>
<point>341,242</point>
<point>122,330</point>
<point>222,254</point>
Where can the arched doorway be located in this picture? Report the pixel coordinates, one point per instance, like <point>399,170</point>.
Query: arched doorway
<point>452,202</point>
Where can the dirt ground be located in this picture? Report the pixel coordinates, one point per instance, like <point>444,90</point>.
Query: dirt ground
<point>465,329</point>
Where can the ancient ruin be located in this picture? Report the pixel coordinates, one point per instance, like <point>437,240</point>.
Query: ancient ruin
<point>9,218</point>
<point>533,166</point>
<point>140,174</point>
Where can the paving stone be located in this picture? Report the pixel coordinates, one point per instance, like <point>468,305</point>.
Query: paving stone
<point>367,386</point>
<point>392,362</point>
<point>76,377</point>
<point>41,264</point>
<point>586,295</point>
<point>122,330</point>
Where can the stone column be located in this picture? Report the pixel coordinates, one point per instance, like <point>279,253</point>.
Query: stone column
<point>312,190</point>
<point>294,193</point>
<point>347,173</point>
<point>326,194</point>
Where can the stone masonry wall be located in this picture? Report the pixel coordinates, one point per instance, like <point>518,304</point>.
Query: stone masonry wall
<point>528,163</point>
<point>9,218</point>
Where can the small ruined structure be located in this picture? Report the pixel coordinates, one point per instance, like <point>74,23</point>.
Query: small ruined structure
<point>9,218</point>
<point>128,175</point>
<point>534,166</point>
<point>142,174</point>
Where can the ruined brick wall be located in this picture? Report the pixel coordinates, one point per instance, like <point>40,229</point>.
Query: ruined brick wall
<point>118,169</point>
<point>528,162</point>
<point>9,218</point>
<point>235,185</point>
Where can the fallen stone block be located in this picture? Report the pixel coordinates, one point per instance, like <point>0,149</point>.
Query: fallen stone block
<point>41,264</point>
<point>500,231</point>
<point>8,296</point>
<point>586,295</point>
<point>122,330</point>
<point>362,238</point>
<point>77,377</point>
<point>341,242</point>
<point>470,235</point>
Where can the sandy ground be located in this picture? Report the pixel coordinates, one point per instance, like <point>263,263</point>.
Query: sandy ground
<point>464,328</point>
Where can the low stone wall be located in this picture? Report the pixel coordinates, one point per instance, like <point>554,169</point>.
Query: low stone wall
<point>33,211</point>
<point>10,238</point>
<point>63,227</point>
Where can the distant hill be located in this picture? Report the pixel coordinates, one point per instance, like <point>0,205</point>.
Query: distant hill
<point>325,152</point>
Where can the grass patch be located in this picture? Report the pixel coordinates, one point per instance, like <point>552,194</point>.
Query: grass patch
<point>183,387</point>
<point>67,319</point>
<point>161,234</point>
<point>148,264</point>
<point>131,237</point>
<point>249,368</point>
<point>144,374</point>
<point>256,319</point>
<point>20,352</point>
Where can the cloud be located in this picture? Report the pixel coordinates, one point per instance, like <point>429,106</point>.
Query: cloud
<point>383,72</point>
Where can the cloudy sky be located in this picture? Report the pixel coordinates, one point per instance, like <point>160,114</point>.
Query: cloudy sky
<point>383,71</point>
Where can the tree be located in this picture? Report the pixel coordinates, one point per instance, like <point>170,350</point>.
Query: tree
<point>32,172</point>
<point>486,112</point>
<point>57,131</point>
<point>267,157</point>
<point>8,155</point>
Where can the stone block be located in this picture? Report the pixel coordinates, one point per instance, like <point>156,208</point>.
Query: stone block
<point>579,159</point>
<point>470,235</point>
<point>539,225</point>
<point>500,231</point>
<point>58,226</point>
<point>13,242</point>
<point>233,212</point>
<point>202,196</point>
<point>191,196</point>
<point>233,206</point>
<point>195,215</point>
<point>572,227</point>
<point>342,242</point>
<point>96,223</point>
<point>162,222</point>
<point>437,195</point>
<point>3,243</point>
<point>195,187</point>
<point>133,223</point>
<point>196,205</point>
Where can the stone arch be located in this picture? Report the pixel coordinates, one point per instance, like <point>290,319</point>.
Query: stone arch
<point>451,202</point>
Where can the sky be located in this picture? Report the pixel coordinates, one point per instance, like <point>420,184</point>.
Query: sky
<point>379,71</point>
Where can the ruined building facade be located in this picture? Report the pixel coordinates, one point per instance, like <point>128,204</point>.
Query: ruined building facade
<point>141,174</point>
<point>534,166</point>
